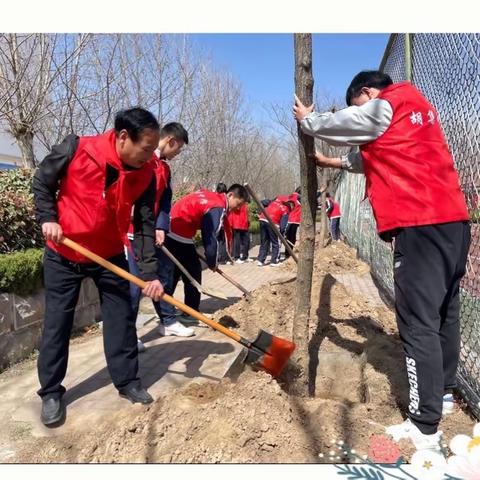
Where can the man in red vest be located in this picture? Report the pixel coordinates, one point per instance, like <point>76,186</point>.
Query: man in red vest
<point>85,189</point>
<point>205,211</point>
<point>417,201</point>
<point>334,215</point>
<point>294,219</point>
<point>173,137</point>
<point>278,212</point>
<point>238,220</point>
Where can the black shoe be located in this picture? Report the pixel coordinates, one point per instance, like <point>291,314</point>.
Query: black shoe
<point>137,395</point>
<point>53,410</point>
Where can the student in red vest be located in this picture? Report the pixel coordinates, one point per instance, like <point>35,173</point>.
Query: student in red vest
<point>276,210</point>
<point>334,215</point>
<point>417,201</point>
<point>238,220</point>
<point>205,211</point>
<point>294,219</point>
<point>85,189</point>
<point>173,137</point>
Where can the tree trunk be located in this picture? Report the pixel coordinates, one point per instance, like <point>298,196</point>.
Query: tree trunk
<point>25,143</point>
<point>308,182</point>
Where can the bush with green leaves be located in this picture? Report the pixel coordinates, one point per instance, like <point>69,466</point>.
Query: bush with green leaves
<point>19,229</point>
<point>21,272</point>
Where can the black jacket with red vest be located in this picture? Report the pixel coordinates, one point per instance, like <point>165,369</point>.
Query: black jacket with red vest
<point>411,162</point>
<point>96,193</point>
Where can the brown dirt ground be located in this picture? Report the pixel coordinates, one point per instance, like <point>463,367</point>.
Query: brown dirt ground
<point>360,388</point>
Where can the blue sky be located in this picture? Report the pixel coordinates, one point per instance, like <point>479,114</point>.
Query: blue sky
<point>263,63</point>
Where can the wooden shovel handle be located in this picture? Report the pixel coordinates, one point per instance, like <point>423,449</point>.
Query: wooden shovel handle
<point>225,276</point>
<point>142,284</point>
<point>270,221</point>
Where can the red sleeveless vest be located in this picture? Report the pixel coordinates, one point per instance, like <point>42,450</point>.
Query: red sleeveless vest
<point>411,179</point>
<point>95,218</point>
<point>187,213</point>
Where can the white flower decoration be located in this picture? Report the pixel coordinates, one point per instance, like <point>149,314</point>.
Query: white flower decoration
<point>428,465</point>
<point>465,463</point>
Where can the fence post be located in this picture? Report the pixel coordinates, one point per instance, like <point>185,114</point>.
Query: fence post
<point>408,57</point>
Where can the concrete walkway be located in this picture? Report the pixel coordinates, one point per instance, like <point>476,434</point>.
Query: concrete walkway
<point>169,362</point>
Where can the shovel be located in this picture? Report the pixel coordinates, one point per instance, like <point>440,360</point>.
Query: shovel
<point>266,352</point>
<point>225,276</point>
<point>200,288</point>
<point>267,216</point>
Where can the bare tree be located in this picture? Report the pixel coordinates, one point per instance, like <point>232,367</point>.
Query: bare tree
<point>27,72</point>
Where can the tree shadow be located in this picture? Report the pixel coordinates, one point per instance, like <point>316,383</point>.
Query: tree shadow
<point>383,351</point>
<point>155,363</point>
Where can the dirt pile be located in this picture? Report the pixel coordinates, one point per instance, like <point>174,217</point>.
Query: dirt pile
<point>358,387</point>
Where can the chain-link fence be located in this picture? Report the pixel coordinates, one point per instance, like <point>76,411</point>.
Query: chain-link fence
<point>446,68</point>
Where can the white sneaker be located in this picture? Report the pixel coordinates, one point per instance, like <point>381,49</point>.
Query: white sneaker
<point>176,329</point>
<point>448,405</point>
<point>274,264</point>
<point>228,263</point>
<point>239,260</point>
<point>407,429</point>
<point>260,264</point>
<point>249,260</point>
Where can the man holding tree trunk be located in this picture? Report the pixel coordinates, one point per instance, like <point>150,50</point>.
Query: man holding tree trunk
<point>418,205</point>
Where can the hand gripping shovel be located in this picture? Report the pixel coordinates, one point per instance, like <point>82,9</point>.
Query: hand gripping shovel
<point>225,276</point>
<point>266,352</point>
<point>267,216</point>
<point>200,288</point>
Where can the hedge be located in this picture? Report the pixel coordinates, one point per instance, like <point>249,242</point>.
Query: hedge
<point>19,230</point>
<point>21,272</point>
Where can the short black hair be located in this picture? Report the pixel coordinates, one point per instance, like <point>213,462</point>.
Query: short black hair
<point>298,190</point>
<point>176,130</point>
<point>289,204</point>
<point>221,188</point>
<point>135,120</point>
<point>239,191</point>
<point>367,78</point>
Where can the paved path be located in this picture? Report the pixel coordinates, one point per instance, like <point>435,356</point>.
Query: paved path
<point>169,362</point>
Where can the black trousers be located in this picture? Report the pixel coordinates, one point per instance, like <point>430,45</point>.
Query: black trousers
<point>62,280</point>
<point>268,237</point>
<point>222,247</point>
<point>291,235</point>
<point>429,262</point>
<point>169,275</point>
<point>241,244</point>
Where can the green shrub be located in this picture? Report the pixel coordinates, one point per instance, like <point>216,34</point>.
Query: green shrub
<point>19,229</point>
<point>21,272</point>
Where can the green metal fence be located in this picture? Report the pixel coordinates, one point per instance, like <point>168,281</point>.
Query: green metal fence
<point>446,68</point>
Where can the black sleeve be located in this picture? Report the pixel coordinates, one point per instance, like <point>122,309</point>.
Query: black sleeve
<point>47,178</point>
<point>212,222</point>
<point>144,233</point>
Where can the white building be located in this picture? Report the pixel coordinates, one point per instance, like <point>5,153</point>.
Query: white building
<point>10,155</point>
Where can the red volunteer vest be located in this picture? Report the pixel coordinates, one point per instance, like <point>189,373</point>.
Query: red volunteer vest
<point>295,216</point>
<point>187,213</point>
<point>162,174</point>
<point>275,210</point>
<point>411,179</point>
<point>238,219</point>
<point>335,211</point>
<point>95,218</point>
